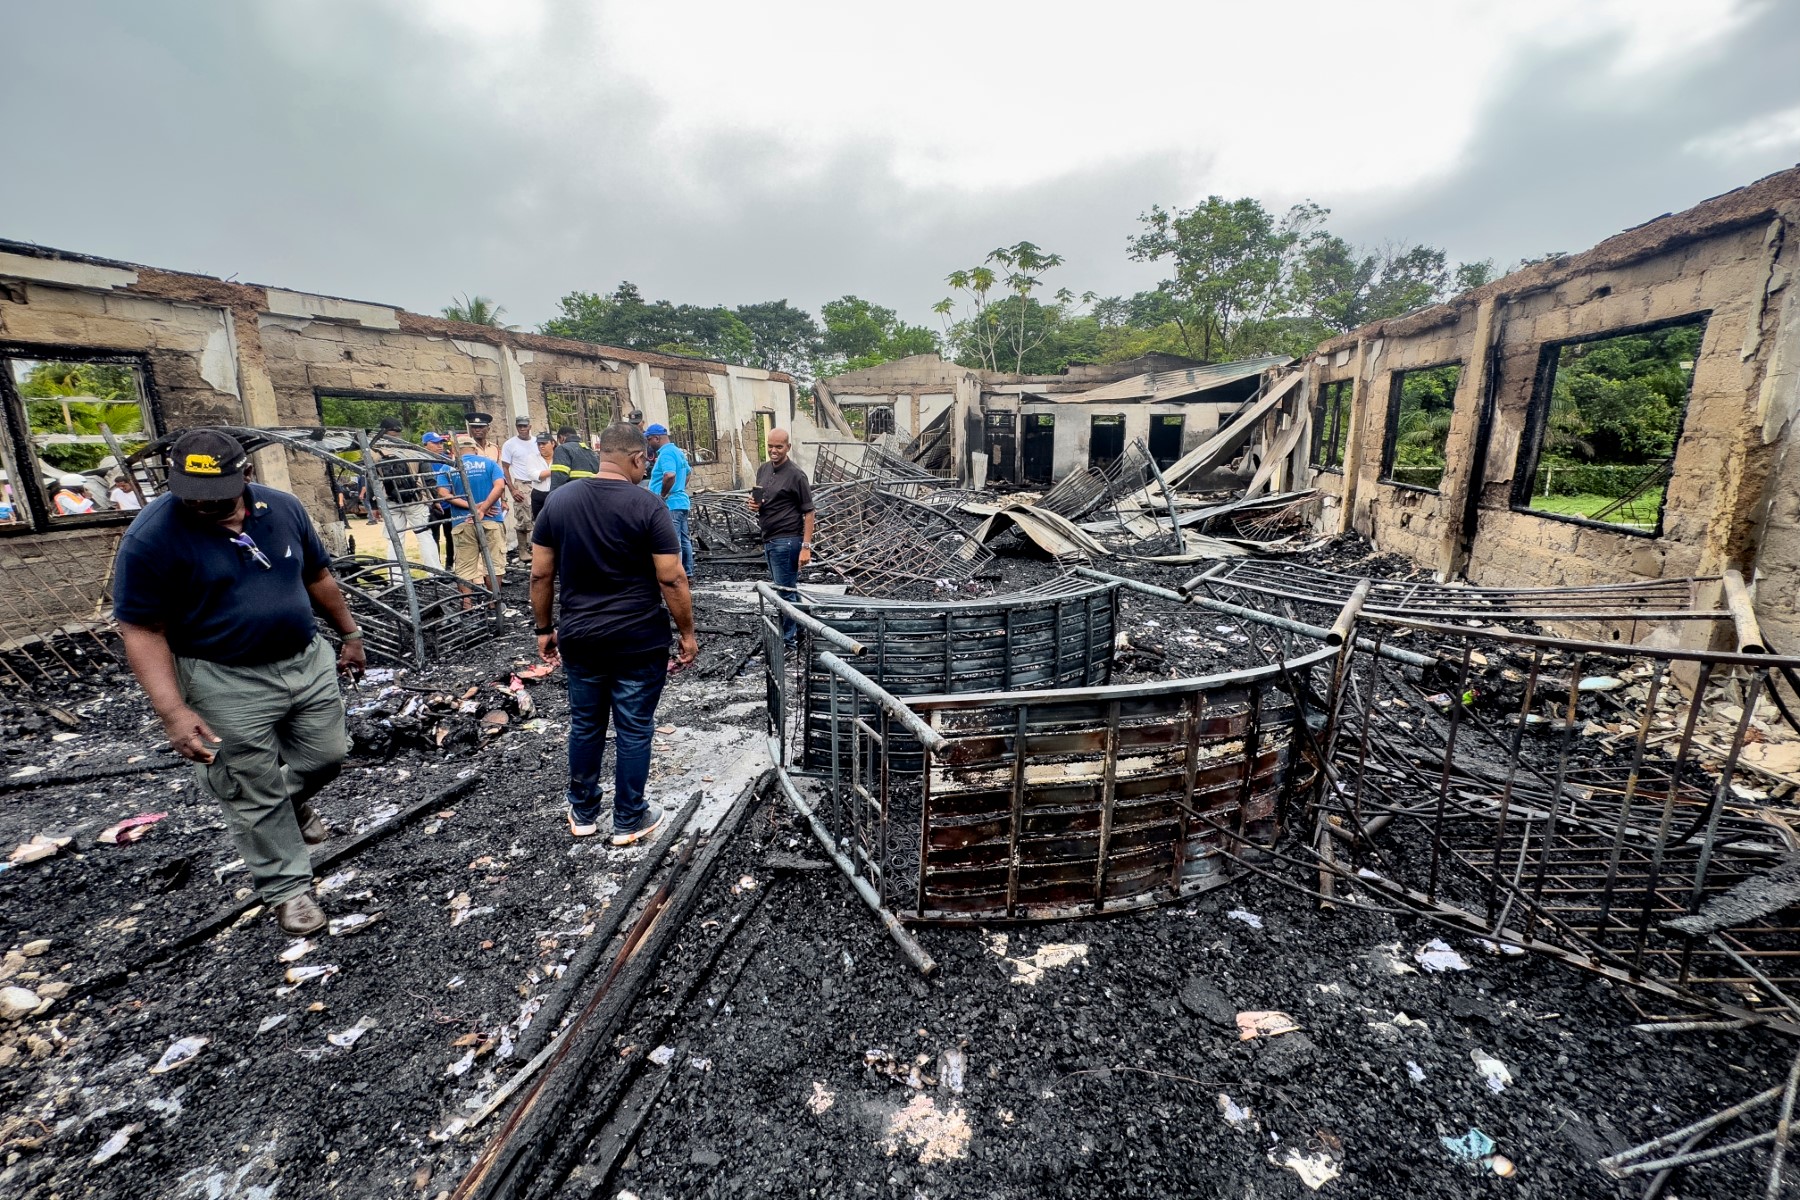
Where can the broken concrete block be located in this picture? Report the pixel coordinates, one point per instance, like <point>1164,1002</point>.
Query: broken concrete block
<point>18,1002</point>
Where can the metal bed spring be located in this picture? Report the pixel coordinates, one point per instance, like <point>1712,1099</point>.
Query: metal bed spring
<point>1507,819</point>
<point>883,543</point>
<point>1058,634</point>
<point>1655,599</point>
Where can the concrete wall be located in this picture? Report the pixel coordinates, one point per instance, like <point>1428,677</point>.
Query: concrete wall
<point>1731,498</point>
<point>226,353</point>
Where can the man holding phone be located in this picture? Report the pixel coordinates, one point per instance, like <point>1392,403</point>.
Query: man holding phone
<point>613,546</point>
<point>783,503</point>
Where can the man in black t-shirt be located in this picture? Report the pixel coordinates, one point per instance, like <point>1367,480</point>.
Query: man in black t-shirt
<point>215,589</point>
<point>613,547</point>
<point>783,503</point>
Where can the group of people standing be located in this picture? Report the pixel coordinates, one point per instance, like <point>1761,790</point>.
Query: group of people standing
<point>219,583</point>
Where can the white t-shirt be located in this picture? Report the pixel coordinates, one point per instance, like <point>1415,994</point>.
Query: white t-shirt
<point>517,455</point>
<point>124,499</point>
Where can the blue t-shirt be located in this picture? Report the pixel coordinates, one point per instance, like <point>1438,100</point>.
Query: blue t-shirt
<point>483,474</point>
<point>214,599</point>
<point>670,458</point>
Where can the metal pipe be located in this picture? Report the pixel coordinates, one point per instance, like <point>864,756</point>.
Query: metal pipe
<point>1193,585</point>
<point>914,952</point>
<point>396,542</point>
<point>1346,618</point>
<point>1169,496</point>
<point>1404,657</point>
<point>809,622</point>
<point>892,705</point>
<point>1743,614</point>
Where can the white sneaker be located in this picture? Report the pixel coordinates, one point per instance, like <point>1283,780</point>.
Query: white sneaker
<point>578,828</point>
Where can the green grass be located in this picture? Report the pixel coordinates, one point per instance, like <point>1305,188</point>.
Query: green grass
<point>1640,512</point>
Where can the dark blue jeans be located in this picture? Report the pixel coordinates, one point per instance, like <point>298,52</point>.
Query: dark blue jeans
<point>629,696</point>
<point>783,555</point>
<point>680,517</point>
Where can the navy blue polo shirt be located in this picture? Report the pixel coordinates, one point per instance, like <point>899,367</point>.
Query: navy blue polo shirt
<point>213,599</point>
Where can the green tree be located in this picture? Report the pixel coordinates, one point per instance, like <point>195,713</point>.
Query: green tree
<point>1231,263</point>
<point>625,319</point>
<point>76,399</point>
<point>1015,325</point>
<point>859,334</point>
<point>475,310</point>
<point>782,337</point>
<point>1620,400</point>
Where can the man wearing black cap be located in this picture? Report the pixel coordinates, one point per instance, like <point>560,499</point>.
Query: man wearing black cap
<point>215,590</point>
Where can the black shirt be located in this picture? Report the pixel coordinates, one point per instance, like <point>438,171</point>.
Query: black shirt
<point>786,499</point>
<point>604,532</point>
<point>212,598</point>
<point>406,481</point>
<point>572,460</point>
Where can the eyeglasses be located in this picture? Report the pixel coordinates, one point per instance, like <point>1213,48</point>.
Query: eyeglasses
<point>242,542</point>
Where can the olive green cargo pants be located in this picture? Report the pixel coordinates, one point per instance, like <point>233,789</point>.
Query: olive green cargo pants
<point>281,727</point>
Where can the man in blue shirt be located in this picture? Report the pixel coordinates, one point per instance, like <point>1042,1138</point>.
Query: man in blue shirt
<point>477,517</point>
<point>215,589</point>
<point>668,477</point>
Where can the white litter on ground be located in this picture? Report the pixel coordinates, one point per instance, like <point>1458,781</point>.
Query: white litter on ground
<point>938,1136</point>
<point>1492,1070</point>
<point>1436,956</point>
<point>821,1100</point>
<point>1246,916</point>
<point>1314,1170</point>
<point>1047,958</point>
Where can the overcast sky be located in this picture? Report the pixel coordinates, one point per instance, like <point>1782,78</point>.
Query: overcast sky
<point>405,150</point>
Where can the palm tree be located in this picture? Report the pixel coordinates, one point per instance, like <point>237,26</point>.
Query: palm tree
<point>476,310</point>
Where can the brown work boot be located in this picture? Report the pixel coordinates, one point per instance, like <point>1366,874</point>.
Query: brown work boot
<point>300,915</point>
<point>312,828</point>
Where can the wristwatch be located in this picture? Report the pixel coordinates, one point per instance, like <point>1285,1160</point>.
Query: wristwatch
<point>352,635</point>
<point>546,630</point>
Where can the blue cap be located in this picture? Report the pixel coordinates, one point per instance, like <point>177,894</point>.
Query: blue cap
<point>656,431</point>
<point>432,439</point>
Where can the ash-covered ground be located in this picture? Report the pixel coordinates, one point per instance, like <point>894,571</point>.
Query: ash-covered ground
<point>804,1057</point>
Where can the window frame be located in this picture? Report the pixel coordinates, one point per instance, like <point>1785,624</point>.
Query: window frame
<point>583,394</point>
<point>1537,420</point>
<point>685,400</point>
<point>1336,403</point>
<point>469,404</point>
<point>1390,443</point>
<point>15,427</point>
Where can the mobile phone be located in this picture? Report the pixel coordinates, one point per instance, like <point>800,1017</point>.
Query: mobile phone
<point>756,493</point>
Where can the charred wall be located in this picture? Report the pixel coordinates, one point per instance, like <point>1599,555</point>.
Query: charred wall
<point>214,352</point>
<point>1729,487</point>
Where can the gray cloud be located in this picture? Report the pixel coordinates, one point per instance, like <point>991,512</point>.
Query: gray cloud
<point>363,155</point>
<point>1551,168</point>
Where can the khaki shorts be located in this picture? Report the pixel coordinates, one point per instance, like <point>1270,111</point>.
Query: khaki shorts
<point>468,553</point>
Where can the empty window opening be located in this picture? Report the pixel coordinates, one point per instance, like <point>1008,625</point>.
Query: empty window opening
<point>588,409</point>
<point>59,466</point>
<point>1106,441</point>
<point>1037,447</point>
<point>1331,425</point>
<point>1165,437</point>
<point>1420,407</point>
<point>417,416</point>
<point>881,420</point>
<point>691,427</point>
<point>1604,422</point>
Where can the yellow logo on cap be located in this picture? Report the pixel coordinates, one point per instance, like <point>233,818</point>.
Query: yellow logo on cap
<point>202,464</point>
